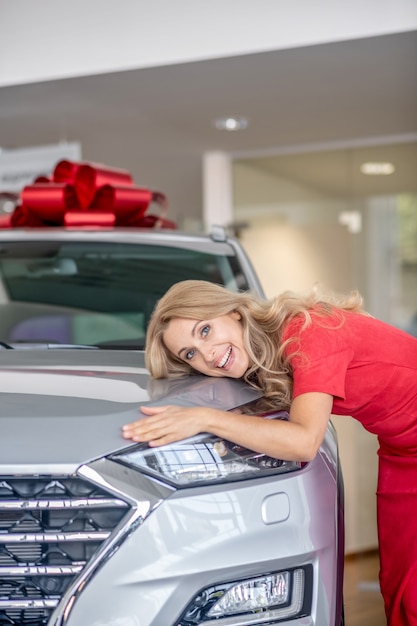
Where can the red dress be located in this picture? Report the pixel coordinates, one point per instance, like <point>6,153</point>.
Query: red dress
<point>370,369</point>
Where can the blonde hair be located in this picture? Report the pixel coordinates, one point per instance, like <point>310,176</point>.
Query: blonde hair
<point>262,320</point>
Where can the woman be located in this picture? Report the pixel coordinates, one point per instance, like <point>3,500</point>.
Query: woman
<point>315,356</point>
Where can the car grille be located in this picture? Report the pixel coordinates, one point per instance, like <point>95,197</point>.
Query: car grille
<point>50,528</point>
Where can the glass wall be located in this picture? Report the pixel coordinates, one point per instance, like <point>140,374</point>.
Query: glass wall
<point>407,252</point>
<point>317,218</point>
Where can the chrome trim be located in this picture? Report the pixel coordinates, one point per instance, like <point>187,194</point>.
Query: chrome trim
<point>27,530</point>
<point>12,538</point>
<point>143,494</point>
<point>32,603</point>
<point>41,570</point>
<point>32,505</point>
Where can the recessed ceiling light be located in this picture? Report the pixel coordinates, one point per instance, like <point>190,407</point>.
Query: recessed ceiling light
<point>377,168</point>
<point>231,123</point>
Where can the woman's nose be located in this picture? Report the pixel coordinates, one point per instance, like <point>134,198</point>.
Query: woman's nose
<point>208,352</point>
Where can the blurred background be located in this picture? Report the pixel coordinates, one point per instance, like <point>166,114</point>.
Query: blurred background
<point>294,124</point>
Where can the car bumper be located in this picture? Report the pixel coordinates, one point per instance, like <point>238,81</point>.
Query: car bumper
<point>191,539</point>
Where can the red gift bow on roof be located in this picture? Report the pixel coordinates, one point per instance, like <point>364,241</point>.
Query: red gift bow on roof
<point>88,194</point>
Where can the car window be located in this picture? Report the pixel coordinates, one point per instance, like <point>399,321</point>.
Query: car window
<point>96,293</point>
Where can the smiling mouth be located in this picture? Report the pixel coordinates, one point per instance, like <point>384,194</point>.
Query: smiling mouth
<point>226,358</point>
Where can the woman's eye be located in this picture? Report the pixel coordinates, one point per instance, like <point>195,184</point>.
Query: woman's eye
<point>205,331</point>
<point>189,355</point>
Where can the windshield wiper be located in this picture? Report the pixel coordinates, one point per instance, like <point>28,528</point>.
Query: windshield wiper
<point>5,346</point>
<point>69,346</point>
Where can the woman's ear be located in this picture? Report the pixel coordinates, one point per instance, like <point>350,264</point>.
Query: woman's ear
<point>236,315</point>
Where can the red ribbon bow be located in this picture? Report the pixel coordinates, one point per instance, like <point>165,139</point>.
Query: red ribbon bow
<point>86,195</point>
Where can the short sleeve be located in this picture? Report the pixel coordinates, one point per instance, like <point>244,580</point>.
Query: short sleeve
<point>323,357</point>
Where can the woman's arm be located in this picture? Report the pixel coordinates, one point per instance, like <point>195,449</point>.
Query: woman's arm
<point>297,439</point>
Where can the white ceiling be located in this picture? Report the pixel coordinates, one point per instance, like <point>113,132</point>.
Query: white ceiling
<point>158,122</point>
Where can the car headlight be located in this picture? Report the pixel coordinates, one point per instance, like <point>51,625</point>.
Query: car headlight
<point>208,460</point>
<point>254,601</point>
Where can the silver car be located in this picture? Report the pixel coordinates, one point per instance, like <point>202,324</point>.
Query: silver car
<point>96,531</point>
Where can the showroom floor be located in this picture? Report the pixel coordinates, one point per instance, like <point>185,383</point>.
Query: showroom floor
<point>363,601</point>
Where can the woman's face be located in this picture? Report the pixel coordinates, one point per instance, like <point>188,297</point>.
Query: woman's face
<point>213,347</point>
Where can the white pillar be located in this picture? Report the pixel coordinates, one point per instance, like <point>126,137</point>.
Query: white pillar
<point>217,189</point>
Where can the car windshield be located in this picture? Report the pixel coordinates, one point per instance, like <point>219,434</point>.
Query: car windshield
<point>96,293</point>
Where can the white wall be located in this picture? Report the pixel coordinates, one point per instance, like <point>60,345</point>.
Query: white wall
<point>293,234</point>
<point>46,39</point>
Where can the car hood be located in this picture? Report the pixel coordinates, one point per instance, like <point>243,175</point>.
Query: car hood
<point>63,408</point>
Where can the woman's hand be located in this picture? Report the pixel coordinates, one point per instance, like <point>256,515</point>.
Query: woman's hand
<point>295,440</point>
<point>165,424</point>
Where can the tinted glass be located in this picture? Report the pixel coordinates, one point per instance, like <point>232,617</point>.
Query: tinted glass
<point>95,293</point>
